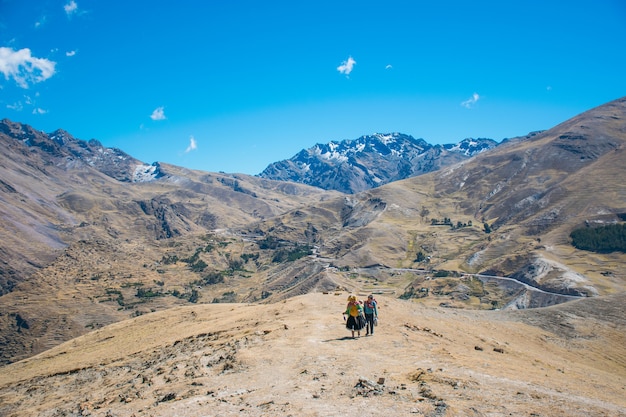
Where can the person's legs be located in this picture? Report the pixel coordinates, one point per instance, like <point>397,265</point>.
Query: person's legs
<point>369,323</point>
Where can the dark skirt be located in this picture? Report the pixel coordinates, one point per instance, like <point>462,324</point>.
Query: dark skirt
<point>355,323</point>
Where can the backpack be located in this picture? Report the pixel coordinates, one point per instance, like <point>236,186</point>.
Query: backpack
<point>371,305</point>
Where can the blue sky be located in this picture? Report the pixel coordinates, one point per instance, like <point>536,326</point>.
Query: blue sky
<point>235,85</point>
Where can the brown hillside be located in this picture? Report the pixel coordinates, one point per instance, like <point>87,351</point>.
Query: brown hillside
<point>85,247</point>
<point>296,358</point>
<point>532,193</point>
<point>76,241</point>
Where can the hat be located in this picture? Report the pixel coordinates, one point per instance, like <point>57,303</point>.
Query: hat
<point>352,298</point>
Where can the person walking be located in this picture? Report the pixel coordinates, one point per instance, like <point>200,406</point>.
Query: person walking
<point>370,306</point>
<point>354,311</point>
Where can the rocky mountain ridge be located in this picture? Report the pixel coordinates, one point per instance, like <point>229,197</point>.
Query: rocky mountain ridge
<point>347,166</point>
<point>352,166</point>
<point>61,148</point>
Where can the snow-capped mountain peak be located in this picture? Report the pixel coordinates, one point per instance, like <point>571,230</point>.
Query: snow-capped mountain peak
<point>369,161</point>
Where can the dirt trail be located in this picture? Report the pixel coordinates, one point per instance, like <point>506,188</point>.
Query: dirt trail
<point>296,358</point>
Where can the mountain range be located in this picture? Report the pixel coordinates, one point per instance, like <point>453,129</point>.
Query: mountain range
<point>92,236</point>
<point>352,166</point>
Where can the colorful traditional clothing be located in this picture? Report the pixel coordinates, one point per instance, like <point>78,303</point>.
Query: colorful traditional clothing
<point>354,311</point>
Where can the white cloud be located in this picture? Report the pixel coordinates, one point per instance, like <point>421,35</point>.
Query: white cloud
<point>158,114</point>
<point>17,106</point>
<point>70,8</point>
<point>388,66</point>
<point>39,110</point>
<point>40,22</point>
<point>347,66</point>
<point>24,68</point>
<point>469,103</point>
<point>70,53</point>
<point>192,145</point>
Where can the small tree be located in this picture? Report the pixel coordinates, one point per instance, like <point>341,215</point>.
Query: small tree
<point>198,266</point>
<point>213,277</point>
<point>424,213</point>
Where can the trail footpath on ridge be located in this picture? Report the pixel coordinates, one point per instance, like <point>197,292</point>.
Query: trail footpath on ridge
<point>296,358</point>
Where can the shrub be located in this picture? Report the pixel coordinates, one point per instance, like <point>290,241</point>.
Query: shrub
<point>270,242</point>
<point>193,297</point>
<point>198,266</point>
<point>169,259</point>
<point>298,252</point>
<point>148,293</point>
<point>213,277</point>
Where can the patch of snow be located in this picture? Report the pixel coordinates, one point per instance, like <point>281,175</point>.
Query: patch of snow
<point>386,139</point>
<point>144,173</point>
<point>456,147</point>
<point>338,156</point>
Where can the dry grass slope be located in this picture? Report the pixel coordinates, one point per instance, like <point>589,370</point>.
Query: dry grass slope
<point>295,358</point>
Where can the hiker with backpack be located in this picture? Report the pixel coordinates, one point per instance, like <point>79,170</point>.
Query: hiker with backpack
<point>356,320</point>
<point>370,307</point>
